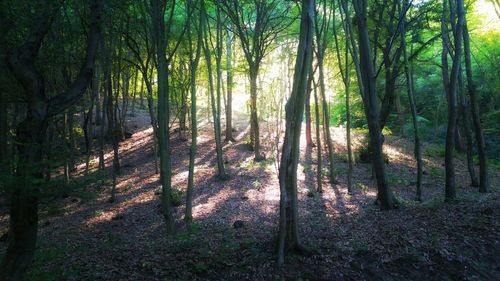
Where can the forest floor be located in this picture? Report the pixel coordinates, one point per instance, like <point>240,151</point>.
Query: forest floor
<point>85,237</point>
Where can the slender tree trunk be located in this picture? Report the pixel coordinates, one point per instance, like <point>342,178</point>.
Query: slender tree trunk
<point>288,222</point>
<point>141,93</point>
<point>112,123</point>
<point>194,59</point>
<point>326,124</point>
<point>125,104</point>
<point>218,61</point>
<point>471,87</point>
<point>401,117</point>
<point>98,113</point>
<point>71,142</point>
<point>182,118</point>
<point>319,174</point>
<point>413,107</point>
<point>464,113</point>
<point>102,133</point>
<point>215,104</point>
<point>254,120</point>
<point>321,31</point>
<point>88,127</point>
<point>371,107</point>
<point>229,102</point>
<point>450,187</point>
<point>309,141</point>
<point>134,90</point>
<point>348,120</point>
<point>345,80</point>
<point>163,113</point>
<point>67,153</point>
<point>152,118</point>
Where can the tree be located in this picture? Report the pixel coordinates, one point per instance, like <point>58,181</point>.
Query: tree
<point>344,72</point>
<point>229,81</point>
<point>158,10</point>
<point>215,102</point>
<point>194,59</point>
<point>371,107</point>
<point>144,63</point>
<point>288,238</point>
<point>471,87</point>
<point>31,133</point>
<point>413,107</point>
<point>321,29</point>
<point>257,24</point>
<point>456,17</point>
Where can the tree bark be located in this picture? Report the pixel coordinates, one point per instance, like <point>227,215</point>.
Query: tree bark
<point>413,107</point>
<point>194,60</point>
<point>182,118</point>
<point>288,222</point>
<point>450,186</point>
<point>309,141</point>
<point>464,114</point>
<point>471,87</point>
<point>31,134</point>
<point>321,32</point>
<point>221,172</point>
<point>254,120</point>
<point>319,172</point>
<point>371,108</point>
<point>229,102</point>
<point>158,9</point>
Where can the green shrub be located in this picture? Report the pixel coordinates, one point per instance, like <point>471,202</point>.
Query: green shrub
<point>176,197</point>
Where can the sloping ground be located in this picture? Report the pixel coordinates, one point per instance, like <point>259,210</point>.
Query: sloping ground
<point>84,237</point>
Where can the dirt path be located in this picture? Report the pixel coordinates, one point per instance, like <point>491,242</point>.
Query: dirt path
<point>89,238</point>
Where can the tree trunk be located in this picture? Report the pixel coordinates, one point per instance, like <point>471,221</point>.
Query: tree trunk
<point>321,45</point>
<point>471,87</point>
<point>194,59</point>
<point>464,113</point>
<point>326,124</point>
<point>384,196</point>
<point>309,141</point>
<point>413,107</point>
<point>134,90</point>
<point>125,104</point>
<point>229,102</point>
<point>215,104</point>
<point>24,199</point>
<point>152,118</point>
<point>254,121</point>
<point>345,80</point>
<point>182,118</point>
<point>288,222</point>
<point>319,172</point>
<point>88,126</point>
<point>31,134</point>
<point>113,126</point>
<point>350,159</point>
<point>450,186</point>
<point>163,114</point>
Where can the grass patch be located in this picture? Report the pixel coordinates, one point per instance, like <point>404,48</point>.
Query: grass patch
<point>433,203</point>
<point>434,150</point>
<point>361,186</point>
<point>436,172</point>
<point>393,180</point>
<point>52,255</point>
